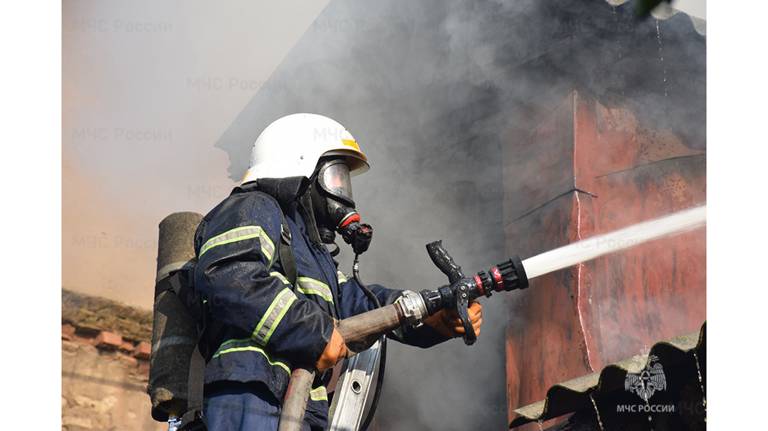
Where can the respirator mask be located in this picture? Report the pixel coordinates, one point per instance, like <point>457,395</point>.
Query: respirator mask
<point>334,207</point>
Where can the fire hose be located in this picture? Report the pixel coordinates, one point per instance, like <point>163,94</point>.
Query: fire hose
<point>410,309</point>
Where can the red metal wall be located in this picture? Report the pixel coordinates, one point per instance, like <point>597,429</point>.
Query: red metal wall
<point>583,170</point>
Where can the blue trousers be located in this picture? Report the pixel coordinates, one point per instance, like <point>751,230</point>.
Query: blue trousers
<point>239,407</point>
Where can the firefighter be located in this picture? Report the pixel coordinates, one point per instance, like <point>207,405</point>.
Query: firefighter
<point>272,309</point>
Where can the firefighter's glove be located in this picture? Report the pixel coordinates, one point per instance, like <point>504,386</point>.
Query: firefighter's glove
<point>448,324</point>
<point>335,351</point>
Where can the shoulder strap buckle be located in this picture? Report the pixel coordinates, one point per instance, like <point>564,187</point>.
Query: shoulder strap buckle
<point>285,252</point>
<point>285,233</point>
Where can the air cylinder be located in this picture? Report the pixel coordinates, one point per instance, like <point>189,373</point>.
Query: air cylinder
<point>174,329</point>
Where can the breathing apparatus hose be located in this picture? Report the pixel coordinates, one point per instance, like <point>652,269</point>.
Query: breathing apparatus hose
<point>383,340</point>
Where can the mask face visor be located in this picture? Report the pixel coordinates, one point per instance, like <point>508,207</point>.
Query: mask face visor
<point>334,178</point>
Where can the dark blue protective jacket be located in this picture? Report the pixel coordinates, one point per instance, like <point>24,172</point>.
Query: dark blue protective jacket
<point>260,325</point>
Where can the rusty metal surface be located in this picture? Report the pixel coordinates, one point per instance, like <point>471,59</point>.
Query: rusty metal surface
<point>545,342</point>
<point>655,290</point>
<point>540,163</point>
<point>577,320</point>
<point>572,395</point>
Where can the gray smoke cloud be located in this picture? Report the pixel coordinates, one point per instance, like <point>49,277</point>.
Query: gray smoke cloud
<point>436,92</point>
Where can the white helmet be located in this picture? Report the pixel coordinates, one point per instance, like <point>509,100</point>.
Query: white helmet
<point>292,145</point>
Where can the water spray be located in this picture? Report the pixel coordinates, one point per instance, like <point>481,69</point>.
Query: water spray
<point>612,242</point>
<point>412,308</point>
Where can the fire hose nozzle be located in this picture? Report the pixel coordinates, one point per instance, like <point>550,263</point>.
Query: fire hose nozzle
<point>506,276</point>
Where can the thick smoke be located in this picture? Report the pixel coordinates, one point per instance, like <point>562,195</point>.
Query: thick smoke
<point>435,92</point>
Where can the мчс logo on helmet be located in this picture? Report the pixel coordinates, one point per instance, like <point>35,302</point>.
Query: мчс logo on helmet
<point>649,380</point>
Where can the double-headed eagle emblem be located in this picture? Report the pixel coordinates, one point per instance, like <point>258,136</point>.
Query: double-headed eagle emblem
<point>649,380</point>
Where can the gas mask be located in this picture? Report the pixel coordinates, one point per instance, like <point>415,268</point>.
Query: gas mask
<point>334,207</point>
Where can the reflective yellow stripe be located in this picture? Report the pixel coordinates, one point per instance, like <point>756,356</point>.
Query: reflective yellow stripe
<point>241,234</point>
<point>273,316</point>
<point>248,347</point>
<point>351,143</point>
<point>318,394</point>
<point>342,278</point>
<point>310,286</point>
<point>280,276</point>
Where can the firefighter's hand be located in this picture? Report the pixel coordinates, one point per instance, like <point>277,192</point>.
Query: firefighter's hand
<point>448,324</point>
<point>335,351</point>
